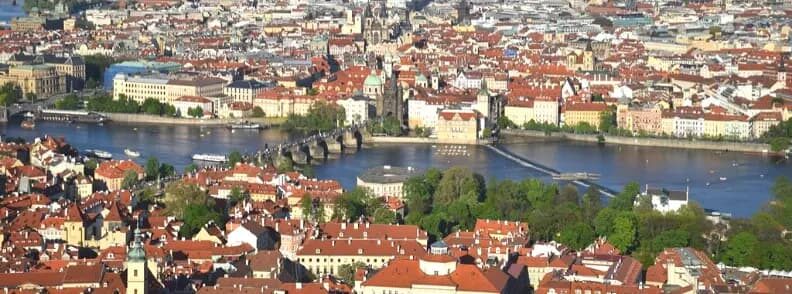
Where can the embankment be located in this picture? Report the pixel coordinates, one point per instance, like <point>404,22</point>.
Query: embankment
<point>128,118</point>
<point>514,135</point>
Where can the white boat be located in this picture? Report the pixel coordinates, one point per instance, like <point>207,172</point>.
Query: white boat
<point>209,157</point>
<point>131,153</point>
<point>99,153</point>
<point>245,125</point>
<point>722,178</point>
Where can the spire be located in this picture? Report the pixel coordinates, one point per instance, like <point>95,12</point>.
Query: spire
<point>484,90</point>
<point>588,46</point>
<point>136,252</point>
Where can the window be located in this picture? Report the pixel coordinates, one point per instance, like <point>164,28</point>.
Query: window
<point>135,274</point>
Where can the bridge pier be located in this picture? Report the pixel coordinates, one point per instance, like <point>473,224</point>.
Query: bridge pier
<point>351,141</point>
<point>297,155</point>
<point>316,150</point>
<point>333,146</point>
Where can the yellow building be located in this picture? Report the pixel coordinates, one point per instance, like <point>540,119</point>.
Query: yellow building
<point>520,110</point>
<point>326,256</point>
<point>457,127</point>
<point>727,126</point>
<point>164,89</point>
<point>39,79</point>
<point>588,112</point>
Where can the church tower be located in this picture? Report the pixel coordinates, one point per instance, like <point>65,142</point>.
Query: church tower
<point>483,100</point>
<point>136,266</point>
<point>588,58</point>
<point>782,74</point>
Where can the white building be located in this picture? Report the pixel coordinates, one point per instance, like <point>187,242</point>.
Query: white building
<point>357,109</point>
<point>664,200</point>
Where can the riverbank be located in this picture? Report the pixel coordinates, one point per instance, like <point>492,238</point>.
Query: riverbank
<point>650,142</point>
<point>399,140</point>
<point>130,118</point>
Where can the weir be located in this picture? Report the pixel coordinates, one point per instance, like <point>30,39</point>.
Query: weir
<point>549,171</point>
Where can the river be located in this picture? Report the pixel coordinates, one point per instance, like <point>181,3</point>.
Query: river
<point>749,177</point>
<point>8,11</point>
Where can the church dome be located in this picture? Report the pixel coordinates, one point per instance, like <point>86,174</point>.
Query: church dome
<point>373,80</point>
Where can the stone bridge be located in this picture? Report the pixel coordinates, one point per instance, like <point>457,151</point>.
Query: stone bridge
<point>319,146</point>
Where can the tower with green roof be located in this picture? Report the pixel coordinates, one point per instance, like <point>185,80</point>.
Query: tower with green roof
<point>136,266</point>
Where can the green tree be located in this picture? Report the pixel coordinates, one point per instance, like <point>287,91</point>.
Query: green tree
<point>190,168</point>
<point>70,102</point>
<point>592,202</point>
<point>306,206</point>
<point>577,236</point>
<point>321,117</point>
<point>624,232</point>
<point>151,106</point>
<point>568,193</point>
<point>418,193</point>
<point>91,164</point>
<point>384,215</point>
<point>603,223</point>
<point>10,94</point>
<point>95,65</point>
<point>607,121</point>
<point>352,205</point>
<point>626,199</point>
<point>166,170</point>
<point>456,182</point>
<point>233,158</point>
<point>237,195</point>
<point>130,179</point>
<point>179,195</point>
<point>152,168</point>
<point>741,250</point>
<point>346,272</point>
<point>258,112</point>
<point>195,112</point>
<point>779,144</point>
<point>195,217</point>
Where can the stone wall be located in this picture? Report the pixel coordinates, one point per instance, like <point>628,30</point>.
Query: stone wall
<point>129,118</point>
<point>508,136</point>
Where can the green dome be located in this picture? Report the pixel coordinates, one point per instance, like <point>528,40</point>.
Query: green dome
<point>421,78</point>
<point>373,80</point>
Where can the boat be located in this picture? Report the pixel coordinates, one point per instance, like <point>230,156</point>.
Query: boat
<point>722,178</point>
<point>245,126</point>
<point>209,157</point>
<point>98,154</point>
<point>28,124</point>
<point>131,153</point>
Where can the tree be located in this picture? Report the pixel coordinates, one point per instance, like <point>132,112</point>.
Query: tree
<point>779,144</point>
<point>306,206</point>
<point>166,170</point>
<point>626,199</point>
<point>130,179</point>
<point>505,123</point>
<point>457,181</point>
<point>195,112</point>
<point>233,158</point>
<point>384,215</point>
<point>592,203</point>
<point>606,121</point>
<point>623,235</point>
<point>237,195</point>
<point>321,117</point>
<point>95,66</point>
<point>190,168</point>
<point>70,102</point>
<point>486,133</point>
<point>10,93</point>
<point>577,236</point>
<point>91,164</point>
<point>567,194</point>
<point>195,217</point>
<point>151,106</point>
<point>179,195</point>
<point>346,272</point>
<point>258,112</point>
<point>741,250</point>
<point>152,168</point>
<point>352,205</point>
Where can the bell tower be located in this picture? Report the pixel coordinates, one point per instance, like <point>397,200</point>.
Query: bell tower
<point>136,266</point>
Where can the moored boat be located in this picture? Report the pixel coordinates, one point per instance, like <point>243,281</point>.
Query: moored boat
<point>209,157</point>
<point>131,153</point>
<point>245,126</point>
<point>98,154</point>
<point>28,124</point>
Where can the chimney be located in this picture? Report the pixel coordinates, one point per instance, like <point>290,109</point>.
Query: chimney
<point>298,285</point>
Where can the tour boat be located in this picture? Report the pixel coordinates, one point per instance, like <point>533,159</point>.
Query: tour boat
<point>209,157</point>
<point>245,125</point>
<point>28,124</point>
<point>131,153</point>
<point>99,153</point>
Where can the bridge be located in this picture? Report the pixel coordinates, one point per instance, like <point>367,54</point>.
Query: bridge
<point>573,178</point>
<point>317,146</point>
